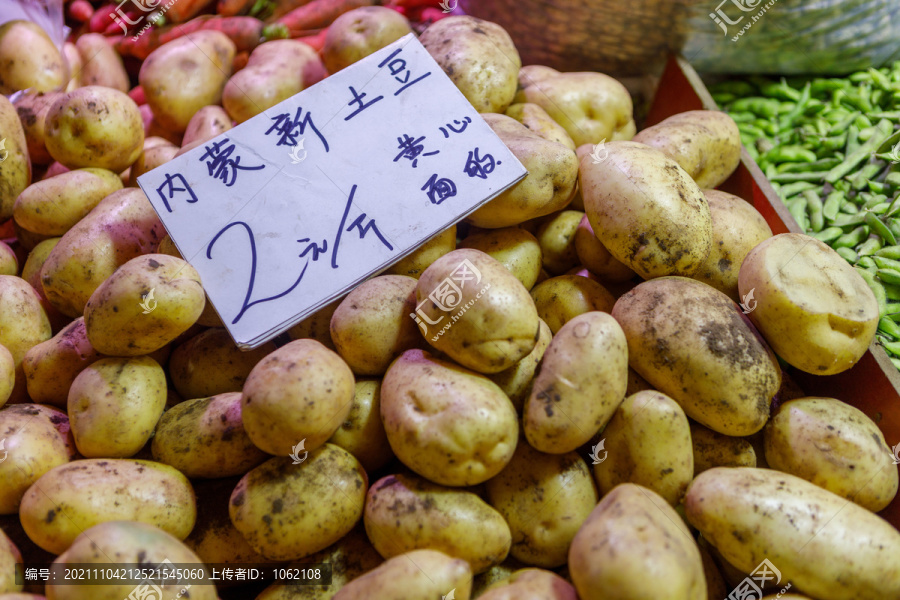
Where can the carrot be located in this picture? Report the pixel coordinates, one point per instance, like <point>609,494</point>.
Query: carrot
<point>320,13</point>
<point>275,9</point>
<point>80,11</point>
<point>185,10</point>
<point>137,94</point>
<point>246,33</point>
<point>240,61</point>
<point>317,41</point>
<point>101,18</point>
<point>230,8</point>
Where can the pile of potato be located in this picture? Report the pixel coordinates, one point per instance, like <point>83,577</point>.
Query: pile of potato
<point>603,422</point>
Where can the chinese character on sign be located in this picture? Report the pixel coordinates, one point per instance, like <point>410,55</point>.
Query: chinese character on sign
<point>358,99</point>
<point>288,129</point>
<point>169,185</point>
<point>462,126</point>
<point>479,166</point>
<point>220,164</point>
<point>439,189</point>
<point>411,149</point>
<point>397,66</point>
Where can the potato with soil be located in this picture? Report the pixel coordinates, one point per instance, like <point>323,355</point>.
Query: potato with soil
<point>207,123</point>
<point>7,374</point>
<point>53,206</point>
<point>23,325</point>
<point>537,120</point>
<point>288,511</point>
<point>32,109</point>
<point>450,425</point>
<point>415,263</point>
<point>412,576</point>
<point>516,249</point>
<point>149,159</point>
<point>29,59</point>
<point>9,263</point>
<point>531,584</point>
<point>101,64</point>
<point>596,258</point>
<point>692,343</point>
<point>561,299</point>
<point>51,366</point>
<point>317,326</point>
<point>356,34</point>
<point>713,449</point>
<point>516,381</point>
<point>815,310</point>
<point>9,556</point>
<point>556,236</point>
<point>362,432</point>
<point>15,169</point>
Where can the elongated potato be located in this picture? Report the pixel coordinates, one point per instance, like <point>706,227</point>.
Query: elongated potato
<point>362,432</point>
<point>23,325</point>
<point>30,59</point>
<point>557,238</point>
<point>596,258</point>
<point>516,381</point>
<point>713,449</point>
<point>15,170</point>
<point>53,206</point>
<point>51,366</point>
<point>828,547</point>
<point>32,109</point>
<point>536,119</point>
<point>7,374</point>
<point>560,299</point>
<point>582,381</point>
<point>101,64</point>
<point>9,556</point>
<point>412,576</point>
<point>515,248</point>
<point>531,584</point>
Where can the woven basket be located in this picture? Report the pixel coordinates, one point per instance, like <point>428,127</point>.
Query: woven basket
<point>617,37</point>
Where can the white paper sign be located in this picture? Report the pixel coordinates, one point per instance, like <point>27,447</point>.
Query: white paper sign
<point>289,210</point>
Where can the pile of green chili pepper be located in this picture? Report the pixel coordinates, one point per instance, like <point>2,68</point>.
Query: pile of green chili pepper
<point>831,149</point>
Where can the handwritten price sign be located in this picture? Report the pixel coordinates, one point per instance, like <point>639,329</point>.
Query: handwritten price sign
<point>291,209</point>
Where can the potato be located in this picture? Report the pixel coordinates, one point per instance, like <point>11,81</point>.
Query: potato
<point>448,424</point>
<point>7,375</point>
<point>412,265</point>
<point>101,64</point>
<point>596,258</point>
<point>516,380</point>
<point>476,311</point>
<point>848,553</point>
<point>631,533</point>
<point>317,326</point>
<point>23,324</point>
<point>536,119</point>
<point>561,299</point>
<point>706,143</point>
<point>51,366</point>
<point>30,59</point>
<point>206,438</point>
<point>149,159</point>
<point>581,382</point>
<point>835,446</point>
<point>210,363</point>
<point>288,511</point>
<point>545,498</point>
<point>516,249</point>
<point>32,109</point>
<point>372,325</point>
<point>737,229</point>
<point>412,576</point>
<point>716,587</point>
<point>557,239</point>
<point>531,584</point>
<point>31,271</point>
<point>362,433</point>
<point>74,64</point>
<point>207,123</point>
<point>9,264</point>
<point>53,206</point>
<point>495,575</point>
<point>479,57</point>
<point>405,513</point>
<point>813,308</point>
<point>94,126</point>
<point>549,185</point>
<point>356,34</point>
<point>128,545</point>
<point>33,445</point>
<point>284,405</point>
<point>658,226</point>
<point>651,441</point>
<point>692,343</point>
<point>591,107</point>
<point>209,317</point>
<point>84,493</point>
<point>713,449</point>
<point>184,75</point>
<point>532,74</point>
<point>276,71</point>
<point>15,169</point>
<point>9,556</point>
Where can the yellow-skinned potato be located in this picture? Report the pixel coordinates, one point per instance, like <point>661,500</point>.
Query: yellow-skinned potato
<point>596,258</point>
<point>210,363</point>
<point>516,380</point>
<point>301,392</point>
<point>53,206</point>
<point>545,498</point>
<point>835,446</point>
<point>496,574</point>
<point>591,107</point>
<point>515,248</point>
<point>9,556</point>
<point>101,64</point>
<point>412,576</point>
<point>448,424</point>
<point>646,210</point>
<point>206,438</point>
<point>405,513</point>
<point>557,239</point>
<point>371,326</point>
<point>7,374</point>
<point>421,258</point>
<point>716,587</point>
<point>650,444</point>
<point>27,239</point>
<point>479,57</point>
<point>358,33</point>
<point>532,74</point>
<point>362,432</point>
<point>149,159</point>
<point>631,533</point>
<point>536,119</point>
<point>582,381</point>
<point>561,299</point>
<point>706,143</point>
<point>815,310</point>
<point>34,445</point>
<point>737,229</point>
<point>549,185</point>
<point>30,59</point>
<point>483,318</point>
<point>207,123</point>
<point>15,170</point>
<point>209,317</point>
<point>32,109</point>
<point>73,497</point>
<point>848,553</point>
<point>74,63</point>
<point>317,326</point>
<point>23,325</point>
<point>51,366</point>
<point>129,545</point>
<point>184,75</point>
<point>531,584</point>
<point>9,264</point>
<point>114,405</point>
<point>275,71</point>
<point>94,126</point>
<point>713,449</point>
<point>120,318</point>
<point>287,511</point>
<point>31,271</point>
<point>692,343</point>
